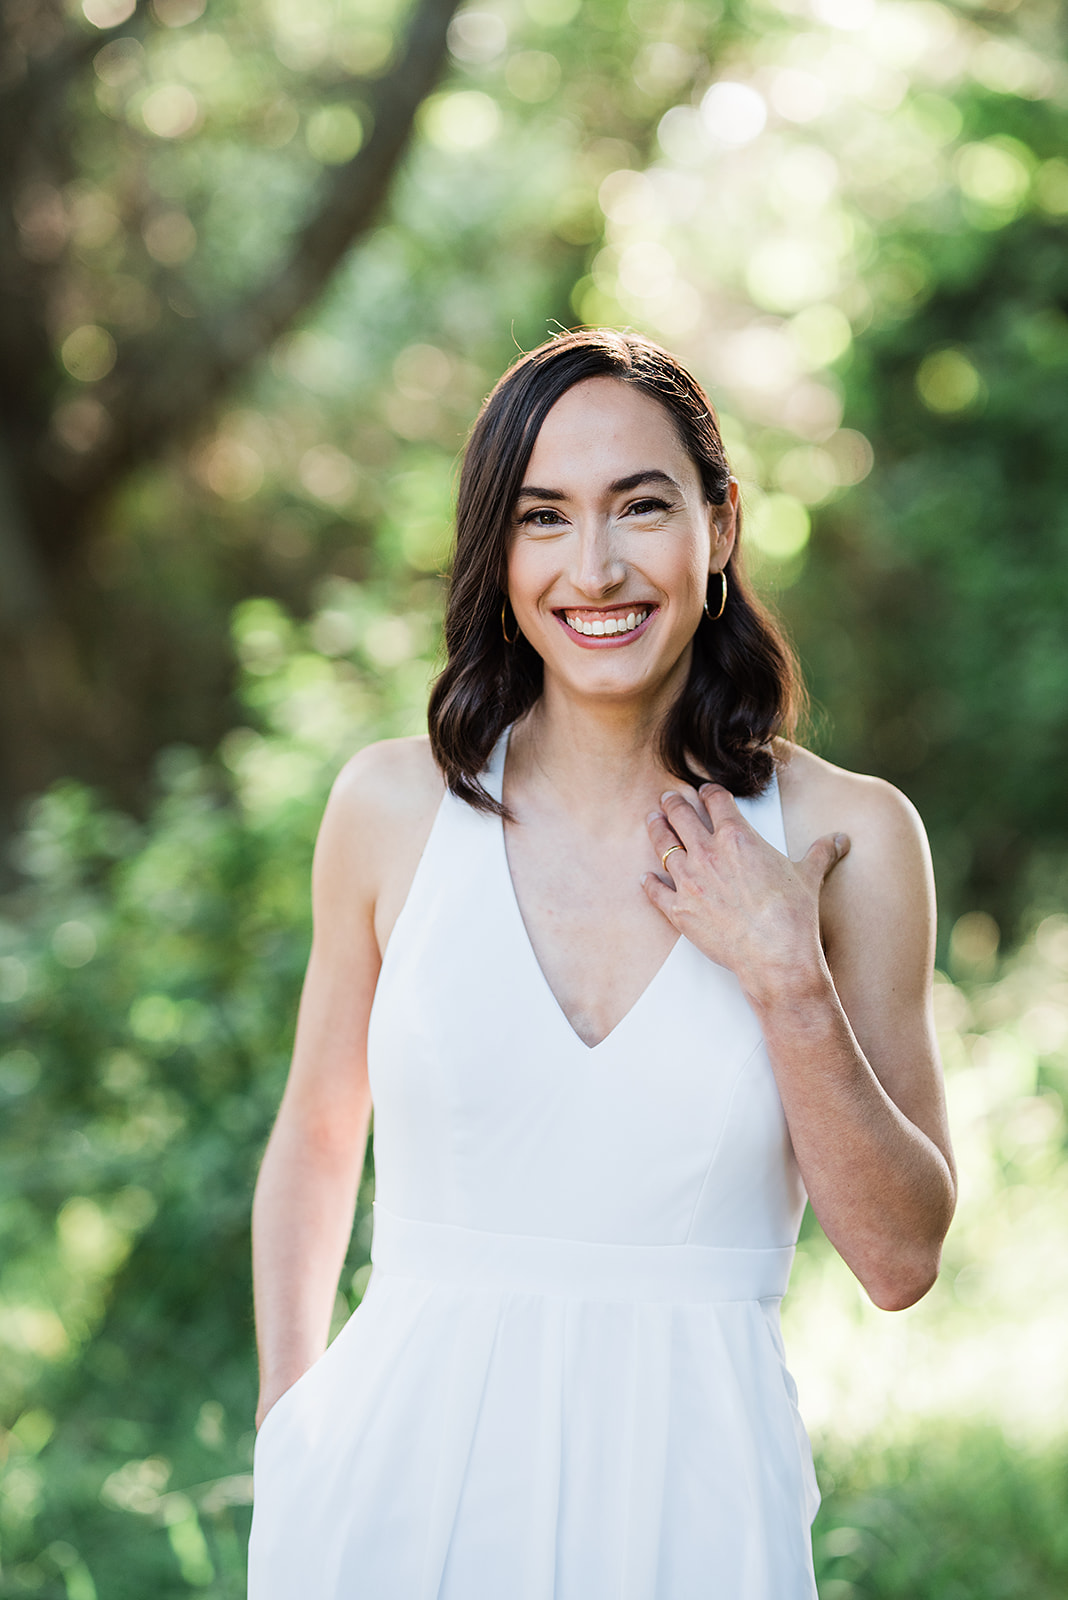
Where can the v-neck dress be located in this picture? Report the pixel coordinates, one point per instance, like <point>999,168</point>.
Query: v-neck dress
<point>565,1380</point>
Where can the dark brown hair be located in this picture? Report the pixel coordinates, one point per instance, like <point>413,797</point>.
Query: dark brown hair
<point>743,686</point>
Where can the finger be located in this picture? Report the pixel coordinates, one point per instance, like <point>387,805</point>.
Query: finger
<point>659,891</point>
<point>684,818</point>
<point>824,854</point>
<point>720,804</point>
<point>661,835</point>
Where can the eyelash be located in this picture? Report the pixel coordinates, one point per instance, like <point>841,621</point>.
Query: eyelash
<point>638,507</point>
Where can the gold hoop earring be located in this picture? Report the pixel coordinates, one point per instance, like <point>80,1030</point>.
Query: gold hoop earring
<point>504,630</point>
<point>714,616</point>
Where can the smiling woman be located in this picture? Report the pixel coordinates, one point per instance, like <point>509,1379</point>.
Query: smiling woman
<point>743,688</point>
<point>602,1091</point>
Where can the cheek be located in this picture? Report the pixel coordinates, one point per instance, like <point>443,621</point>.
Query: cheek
<point>685,570</point>
<point>527,570</point>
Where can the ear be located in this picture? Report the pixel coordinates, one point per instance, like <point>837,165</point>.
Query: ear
<point>723,526</point>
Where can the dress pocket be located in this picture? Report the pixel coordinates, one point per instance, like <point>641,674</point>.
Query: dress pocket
<point>770,1319</point>
<point>282,1405</point>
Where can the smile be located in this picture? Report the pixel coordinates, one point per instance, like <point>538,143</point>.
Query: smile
<point>606,624</point>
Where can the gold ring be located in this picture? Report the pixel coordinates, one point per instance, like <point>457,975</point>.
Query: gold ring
<point>667,852</point>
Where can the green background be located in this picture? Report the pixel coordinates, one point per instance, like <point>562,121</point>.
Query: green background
<point>851,221</point>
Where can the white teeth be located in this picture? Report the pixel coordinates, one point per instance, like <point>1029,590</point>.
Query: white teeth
<point>602,626</point>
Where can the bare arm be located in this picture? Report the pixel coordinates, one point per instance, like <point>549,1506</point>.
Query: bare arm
<point>848,1028</point>
<point>306,1192</point>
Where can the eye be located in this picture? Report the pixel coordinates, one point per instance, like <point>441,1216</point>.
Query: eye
<point>542,517</point>
<point>647,508</point>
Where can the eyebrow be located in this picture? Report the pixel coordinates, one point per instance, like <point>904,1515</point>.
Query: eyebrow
<point>620,486</point>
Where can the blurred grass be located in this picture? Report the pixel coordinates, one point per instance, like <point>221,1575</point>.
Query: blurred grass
<point>955,1513</point>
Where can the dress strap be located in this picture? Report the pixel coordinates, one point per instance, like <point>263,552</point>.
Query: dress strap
<point>764,813</point>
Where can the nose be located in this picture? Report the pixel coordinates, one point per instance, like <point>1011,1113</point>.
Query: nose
<point>598,568</point>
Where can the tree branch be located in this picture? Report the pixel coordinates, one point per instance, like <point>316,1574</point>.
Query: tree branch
<point>160,393</point>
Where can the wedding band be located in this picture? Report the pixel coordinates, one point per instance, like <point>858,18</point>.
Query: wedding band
<point>667,852</point>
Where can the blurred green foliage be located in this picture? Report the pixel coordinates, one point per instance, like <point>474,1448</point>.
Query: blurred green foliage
<point>850,219</point>
<point>150,978</point>
<point>956,1515</point>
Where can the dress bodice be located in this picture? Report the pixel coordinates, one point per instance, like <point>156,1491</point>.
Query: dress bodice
<point>491,1112</point>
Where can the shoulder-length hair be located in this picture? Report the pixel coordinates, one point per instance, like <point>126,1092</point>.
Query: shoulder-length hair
<point>743,687</point>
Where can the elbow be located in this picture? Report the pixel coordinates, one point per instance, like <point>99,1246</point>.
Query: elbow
<point>905,1281</point>
<point>905,1269</point>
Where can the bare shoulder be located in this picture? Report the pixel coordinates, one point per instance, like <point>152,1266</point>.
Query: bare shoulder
<point>377,819</point>
<point>884,887</point>
<point>819,798</point>
<point>393,781</point>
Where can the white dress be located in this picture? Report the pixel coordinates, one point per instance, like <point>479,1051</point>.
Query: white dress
<point>565,1380</point>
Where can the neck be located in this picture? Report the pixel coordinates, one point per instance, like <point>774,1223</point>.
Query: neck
<point>599,762</point>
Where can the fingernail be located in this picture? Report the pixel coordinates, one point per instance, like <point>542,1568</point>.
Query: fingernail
<point>841,840</point>
<point>654,816</point>
<point>668,794</point>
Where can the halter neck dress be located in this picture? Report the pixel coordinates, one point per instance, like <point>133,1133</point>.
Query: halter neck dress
<point>565,1380</point>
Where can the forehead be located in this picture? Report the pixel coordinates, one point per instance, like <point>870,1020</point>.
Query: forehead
<point>605,426</point>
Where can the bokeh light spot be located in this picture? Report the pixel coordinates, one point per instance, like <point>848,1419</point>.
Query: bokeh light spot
<point>108,13</point>
<point>334,134</point>
<point>1051,187</point>
<point>388,641</point>
<point>532,75</point>
<point>779,526</point>
<point>74,944</point>
<point>808,473</point>
<point>682,136</point>
<point>785,274</point>
<point>946,381</point>
<point>477,37</point>
<point>367,52</point>
<point>20,1071</point>
<point>230,468</point>
<point>119,62</point>
<point>170,238</point>
<point>327,474</point>
<point>646,270</point>
<point>171,111</point>
<point>1010,68</point>
<point>852,16</point>
<point>89,353</point>
<point>460,122</point>
<point>626,196</point>
<point>14,979</point>
<point>177,13</point>
<point>822,334</point>
<point>973,943</point>
<point>852,455</point>
<point>1051,940</point>
<point>155,1018</point>
<point>734,114</point>
<point>797,95</point>
<point>994,173</point>
<point>422,371</point>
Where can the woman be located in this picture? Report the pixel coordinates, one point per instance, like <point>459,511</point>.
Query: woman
<point>627,973</point>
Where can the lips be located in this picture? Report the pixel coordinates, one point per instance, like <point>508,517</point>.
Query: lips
<point>608,626</point>
<point>606,623</point>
